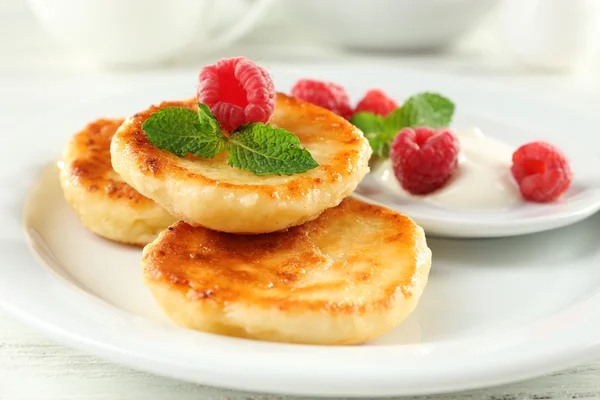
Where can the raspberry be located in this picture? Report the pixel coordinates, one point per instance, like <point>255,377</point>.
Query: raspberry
<point>424,159</point>
<point>324,94</point>
<point>237,92</point>
<point>377,102</point>
<point>542,172</point>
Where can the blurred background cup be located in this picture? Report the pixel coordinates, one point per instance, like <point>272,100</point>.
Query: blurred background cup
<point>390,25</point>
<point>140,32</point>
<point>551,34</point>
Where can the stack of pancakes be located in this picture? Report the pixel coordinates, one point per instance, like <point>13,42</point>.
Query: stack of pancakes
<point>279,258</point>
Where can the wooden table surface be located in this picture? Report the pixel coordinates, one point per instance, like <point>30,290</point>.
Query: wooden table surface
<point>35,74</point>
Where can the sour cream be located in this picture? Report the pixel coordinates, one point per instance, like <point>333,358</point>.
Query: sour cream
<point>482,181</point>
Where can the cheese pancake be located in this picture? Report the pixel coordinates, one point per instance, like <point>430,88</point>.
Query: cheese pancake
<point>347,277</point>
<point>212,194</point>
<point>104,203</point>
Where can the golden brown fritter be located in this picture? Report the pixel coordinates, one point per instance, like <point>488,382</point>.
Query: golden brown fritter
<point>104,203</point>
<point>346,277</point>
<point>208,192</point>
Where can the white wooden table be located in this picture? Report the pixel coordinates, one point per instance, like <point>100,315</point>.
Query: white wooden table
<point>34,73</point>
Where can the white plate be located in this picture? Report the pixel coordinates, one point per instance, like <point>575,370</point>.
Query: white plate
<point>495,311</point>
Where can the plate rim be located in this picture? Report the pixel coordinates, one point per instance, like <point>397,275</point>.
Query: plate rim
<point>114,349</point>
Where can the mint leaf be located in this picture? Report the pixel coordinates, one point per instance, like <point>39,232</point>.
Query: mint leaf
<point>372,125</point>
<point>208,121</point>
<point>381,142</point>
<point>264,149</point>
<point>367,122</point>
<point>395,121</point>
<point>181,131</point>
<point>427,109</point>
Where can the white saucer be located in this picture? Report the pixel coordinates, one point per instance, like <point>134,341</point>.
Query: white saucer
<point>495,311</point>
<point>515,217</point>
<point>581,201</point>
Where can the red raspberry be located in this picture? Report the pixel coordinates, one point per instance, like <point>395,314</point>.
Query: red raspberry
<point>424,159</point>
<point>237,92</point>
<point>324,94</point>
<point>377,102</point>
<point>542,171</point>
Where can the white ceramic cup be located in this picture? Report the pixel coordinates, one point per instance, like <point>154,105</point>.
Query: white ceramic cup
<point>138,32</point>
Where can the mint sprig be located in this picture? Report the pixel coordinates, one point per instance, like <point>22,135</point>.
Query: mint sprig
<point>259,148</point>
<point>422,109</point>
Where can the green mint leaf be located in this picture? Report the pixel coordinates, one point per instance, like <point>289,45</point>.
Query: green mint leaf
<point>372,125</point>
<point>426,109</point>
<point>181,131</point>
<point>207,120</point>
<point>395,121</point>
<point>264,150</point>
<point>380,142</point>
<point>367,122</point>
